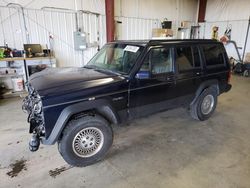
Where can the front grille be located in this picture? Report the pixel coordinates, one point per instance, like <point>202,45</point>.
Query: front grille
<point>32,105</point>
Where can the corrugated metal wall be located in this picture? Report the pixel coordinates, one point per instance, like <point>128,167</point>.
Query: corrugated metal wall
<point>129,28</point>
<point>41,24</point>
<point>11,31</point>
<point>36,26</point>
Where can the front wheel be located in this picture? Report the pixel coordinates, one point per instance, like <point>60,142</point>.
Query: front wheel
<point>205,104</point>
<point>85,140</point>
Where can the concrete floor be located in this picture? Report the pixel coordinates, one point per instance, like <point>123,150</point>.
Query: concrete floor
<point>168,149</point>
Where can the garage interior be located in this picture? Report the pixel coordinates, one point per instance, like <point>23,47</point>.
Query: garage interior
<point>167,149</point>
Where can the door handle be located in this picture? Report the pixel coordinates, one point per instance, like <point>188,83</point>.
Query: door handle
<point>169,78</point>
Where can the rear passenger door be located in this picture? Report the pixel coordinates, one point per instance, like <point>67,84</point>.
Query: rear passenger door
<point>189,71</point>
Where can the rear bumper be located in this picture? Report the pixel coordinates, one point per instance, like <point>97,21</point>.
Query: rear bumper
<point>225,88</point>
<point>228,87</point>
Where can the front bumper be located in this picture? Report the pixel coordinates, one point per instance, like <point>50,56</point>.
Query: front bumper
<point>32,105</point>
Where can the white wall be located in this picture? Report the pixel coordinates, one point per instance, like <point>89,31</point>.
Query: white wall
<point>60,24</point>
<point>228,13</point>
<point>223,10</point>
<point>91,5</point>
<point>158,9</point>
<point>146,15</point>
<point>139,17</point>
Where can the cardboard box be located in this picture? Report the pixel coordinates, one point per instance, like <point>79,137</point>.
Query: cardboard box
<point>184,24</point>
<point>162,32</point>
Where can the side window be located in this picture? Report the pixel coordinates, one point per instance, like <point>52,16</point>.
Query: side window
<point>184,58</point>
<point>197,61</point>
<point>213,54</point>
<point>158,61</point>
<point>161,60</point>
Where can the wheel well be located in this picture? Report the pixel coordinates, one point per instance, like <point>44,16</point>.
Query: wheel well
<point>205,85</point>
<point>104,111</point>
<point>215,86</point>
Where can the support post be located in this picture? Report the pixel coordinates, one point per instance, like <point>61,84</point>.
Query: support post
<point>202,10</point>
<point>246,39</point>
<point>110,25</point>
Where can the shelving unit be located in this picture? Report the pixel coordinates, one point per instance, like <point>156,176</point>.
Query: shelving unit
<point>9,75</point>
<point>21,65</point>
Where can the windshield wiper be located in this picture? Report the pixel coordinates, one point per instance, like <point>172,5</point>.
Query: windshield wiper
<point>89,67</point>
<point>96,68</point>
<point>107,70</point>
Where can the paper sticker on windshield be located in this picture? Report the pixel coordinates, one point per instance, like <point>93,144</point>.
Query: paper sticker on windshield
<point>131,48</point>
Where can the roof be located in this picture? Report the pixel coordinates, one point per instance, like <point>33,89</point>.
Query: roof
<point>133,42</point>
<point>183,41</point>
<point>163,41</point>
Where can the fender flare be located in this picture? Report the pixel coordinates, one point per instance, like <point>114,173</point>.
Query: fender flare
<point>205,85</point>
<point>102,106</point>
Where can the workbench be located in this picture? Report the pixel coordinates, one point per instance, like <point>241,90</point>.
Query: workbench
<point>21,64</point>
<point>41,59</point>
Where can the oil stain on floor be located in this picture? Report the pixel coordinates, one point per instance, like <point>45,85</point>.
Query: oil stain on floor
<point>17,167</point>
<point>58,171</point>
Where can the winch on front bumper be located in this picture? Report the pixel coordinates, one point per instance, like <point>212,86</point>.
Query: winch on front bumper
<point>32,104</point>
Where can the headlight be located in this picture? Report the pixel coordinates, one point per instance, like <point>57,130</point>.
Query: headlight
<point>38,107</point>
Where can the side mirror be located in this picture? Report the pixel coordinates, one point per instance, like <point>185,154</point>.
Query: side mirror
<point>143,75</point>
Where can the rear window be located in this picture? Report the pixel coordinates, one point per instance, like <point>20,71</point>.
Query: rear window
<point>213,54</point>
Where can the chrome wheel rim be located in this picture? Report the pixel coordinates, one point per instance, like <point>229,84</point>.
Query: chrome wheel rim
<point>88,142</point>
<point>207,104</point>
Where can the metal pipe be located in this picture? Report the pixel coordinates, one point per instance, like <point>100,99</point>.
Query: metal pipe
<point>76,20</point>
<point>15,4</point>
<point>89,12</point>
<point>76,16</point>
<point>25,27</point>
<point>24,20</point>
<point>246,39</point>
<point>71,10</point>
<point>12,29</point>
<point>4,37</point>
<point>55,8</point>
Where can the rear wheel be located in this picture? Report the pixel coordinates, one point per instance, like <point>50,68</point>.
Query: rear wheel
<point>205,104</point>
<point>85,140</point>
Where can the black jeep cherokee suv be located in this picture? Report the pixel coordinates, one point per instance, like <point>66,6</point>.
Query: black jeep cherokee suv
<point>75,107</point>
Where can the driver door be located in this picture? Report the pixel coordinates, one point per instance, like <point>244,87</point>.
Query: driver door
<point>153,87</point>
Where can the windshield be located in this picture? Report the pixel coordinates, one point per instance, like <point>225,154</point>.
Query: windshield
<point>118,58</point>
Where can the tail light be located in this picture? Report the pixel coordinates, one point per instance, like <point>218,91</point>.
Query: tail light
<point>229,76</point>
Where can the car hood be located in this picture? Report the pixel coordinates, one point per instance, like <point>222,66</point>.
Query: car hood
<point>63,79</point>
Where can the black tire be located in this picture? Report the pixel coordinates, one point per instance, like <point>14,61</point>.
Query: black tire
<point>196,108</point>
<point>246,73</point>
<point>71,154</point>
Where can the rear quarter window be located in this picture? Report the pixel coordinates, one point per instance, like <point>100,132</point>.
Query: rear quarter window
<point>214,55</point>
